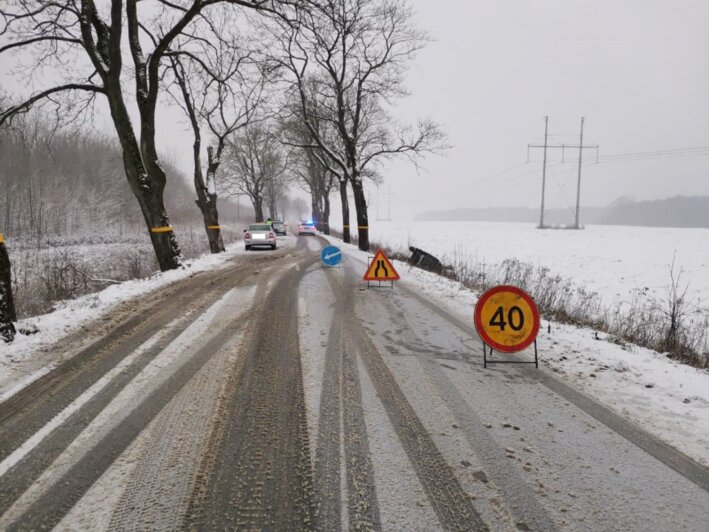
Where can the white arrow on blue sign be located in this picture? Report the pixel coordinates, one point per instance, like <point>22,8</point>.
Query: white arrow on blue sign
<point>331,256</point>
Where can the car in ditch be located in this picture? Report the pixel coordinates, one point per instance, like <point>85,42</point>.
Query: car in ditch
<point>259,235</point>
<point>306,228</point>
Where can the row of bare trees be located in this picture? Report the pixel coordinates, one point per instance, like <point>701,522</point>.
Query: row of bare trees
<point>283,90</point>
<point>330,70</point>
<point>346,61</point>
<point>81,48</point>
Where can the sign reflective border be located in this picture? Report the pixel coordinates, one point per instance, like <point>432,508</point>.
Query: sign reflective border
<point>381,269</point>
<point>507,319</point>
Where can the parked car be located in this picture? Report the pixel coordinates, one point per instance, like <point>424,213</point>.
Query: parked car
<point>279,227</point>
<point>259,235</point>
<point>306,228</point>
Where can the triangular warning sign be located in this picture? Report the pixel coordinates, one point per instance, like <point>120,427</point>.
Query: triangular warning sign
<point>381,269</point>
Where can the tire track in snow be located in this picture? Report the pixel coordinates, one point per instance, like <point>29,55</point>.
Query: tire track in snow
<point>361,488</point>
<point>24,473</point>
<point>159,491</point>
<point>260,475</point>
<point>60,497</point>
<point>328,444</point>
<point>27,411</point>
<point>518,495</point>
<point>342,424</point>
<point>452,505</point>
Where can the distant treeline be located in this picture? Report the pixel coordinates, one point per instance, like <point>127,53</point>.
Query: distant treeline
<point>63,183</point>
<point>679,211</point>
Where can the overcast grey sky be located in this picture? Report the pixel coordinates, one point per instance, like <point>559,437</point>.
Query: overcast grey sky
<point>638,70</point>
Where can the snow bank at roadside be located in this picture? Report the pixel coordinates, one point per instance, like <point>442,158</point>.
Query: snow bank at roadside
<point>73,315</point>
<point>665,398</point>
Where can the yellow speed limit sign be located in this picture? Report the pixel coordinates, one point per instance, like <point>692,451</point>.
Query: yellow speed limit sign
<point>507,319</point>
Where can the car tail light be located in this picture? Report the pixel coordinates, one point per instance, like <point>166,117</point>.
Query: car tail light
<point>247,235</point>
<point>271,236</point>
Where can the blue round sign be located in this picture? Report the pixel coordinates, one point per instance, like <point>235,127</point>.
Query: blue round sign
<point>331,256</point>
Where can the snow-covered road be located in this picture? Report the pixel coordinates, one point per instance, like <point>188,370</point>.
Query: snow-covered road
<point>275,393</point>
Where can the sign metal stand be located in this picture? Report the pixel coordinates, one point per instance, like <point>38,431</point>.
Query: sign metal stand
<point>486,361</point>
<point>507,321</point>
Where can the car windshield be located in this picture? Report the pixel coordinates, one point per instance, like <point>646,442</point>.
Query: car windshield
<point>259,227</point>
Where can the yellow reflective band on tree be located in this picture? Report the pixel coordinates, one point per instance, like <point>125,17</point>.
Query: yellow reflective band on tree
<point>2,238</point>
<point>161,229</point>
<point>362,227</point>
<point>347,226</point>
<point>214,227</point>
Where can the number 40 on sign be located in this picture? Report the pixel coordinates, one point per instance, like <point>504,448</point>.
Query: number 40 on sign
<point>507,321</point>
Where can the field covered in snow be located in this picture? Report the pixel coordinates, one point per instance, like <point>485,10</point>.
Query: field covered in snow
<point>614,261</point>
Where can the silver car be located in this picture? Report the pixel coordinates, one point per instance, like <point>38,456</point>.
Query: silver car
<point>259,235</point>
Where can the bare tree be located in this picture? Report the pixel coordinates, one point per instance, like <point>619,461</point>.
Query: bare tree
<point>80,43</point>
<point>355,52</point>
<point>318,181</point>
<point>255,158</point>
<point>309,169</point>
<point>221,85</point>
<point>275,192</point>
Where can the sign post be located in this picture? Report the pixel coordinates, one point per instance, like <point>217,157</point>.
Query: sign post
<point>507,320</point>
<point>331,256</point>
<point>381,269</point>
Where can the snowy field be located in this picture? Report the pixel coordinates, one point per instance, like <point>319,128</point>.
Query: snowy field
<point>615,261</point>
<point>62,268</point>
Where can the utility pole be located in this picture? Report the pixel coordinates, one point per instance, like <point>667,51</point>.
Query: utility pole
<point>544,171</point>
<point>546,146</point>
<point>578,185</point>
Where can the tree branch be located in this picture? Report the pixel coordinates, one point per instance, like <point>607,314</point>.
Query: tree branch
<point>8,114</point>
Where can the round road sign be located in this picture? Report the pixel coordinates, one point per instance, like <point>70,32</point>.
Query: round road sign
<point>331,255</point>
<point>507,319</point>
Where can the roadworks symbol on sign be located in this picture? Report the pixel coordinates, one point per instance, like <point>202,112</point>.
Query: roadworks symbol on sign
<point>380,269</point>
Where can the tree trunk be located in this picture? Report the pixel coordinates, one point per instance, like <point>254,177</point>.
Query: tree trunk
<point>206,193</point>
<point>316,212</point>
<point>258,209</point>
<point>207,197</point>
<point>345,212</point>
<point>7,303</point>
<point>147,186</point>
<point>361,213</point>
<point>326,214</point>
<point>210,215</point>
<point>162,235</point>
